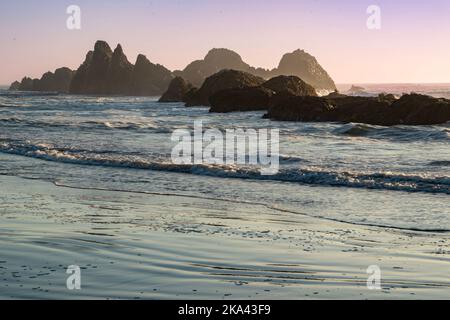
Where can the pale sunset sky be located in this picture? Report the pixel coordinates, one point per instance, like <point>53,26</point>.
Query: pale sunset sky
<point>412,45</point>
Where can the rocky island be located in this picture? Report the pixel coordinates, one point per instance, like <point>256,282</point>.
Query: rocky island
<point>225,83</point>
<point>108,72</point>
<point>289,98</point>
<point>297,63</point>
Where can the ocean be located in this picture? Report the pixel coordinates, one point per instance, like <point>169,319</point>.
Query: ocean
<point>394,178</point>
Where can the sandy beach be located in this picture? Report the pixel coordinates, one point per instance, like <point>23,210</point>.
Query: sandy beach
<point>148,246</point>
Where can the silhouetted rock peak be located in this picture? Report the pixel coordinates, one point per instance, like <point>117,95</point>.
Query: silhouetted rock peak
<point>177,91</point>
<point>118,49</point>
<point>297,63</point>
<point>119,73</point>
<point>15,86</point>
<point>119,58</point>
<point>102,47</point>
<point>302,64</point>
<point>107,72</point>
<point>141,60</point>
<point>149,79</point>
<point>224,56</point>
<point>216,60</point>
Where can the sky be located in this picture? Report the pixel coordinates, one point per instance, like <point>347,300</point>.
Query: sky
<point>412,45</point>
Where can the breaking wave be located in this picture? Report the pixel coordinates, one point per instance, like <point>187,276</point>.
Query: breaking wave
<point>312,176</point>
<point>398,133</point>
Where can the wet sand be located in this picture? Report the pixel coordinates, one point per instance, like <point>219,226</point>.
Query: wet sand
<point>155,246</point>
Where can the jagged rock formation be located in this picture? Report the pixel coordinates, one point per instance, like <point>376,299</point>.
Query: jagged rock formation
<point>149,79</point>
<point>216,60</point>
<point>259,98</point>
<point>225,79</point>
<point>107,72</point>
<point>97,75</point>
<point>54,82</point>
<point>78,84</point>
<point>58,81</point>
<point>298,63</point>
<point>15,86</point>
<point>119,73</point>
<point>385,110</point>
<point>104,72</point>
<point>178,91</point>
<point>303,65</point>
<point>92,76</point>
<point>26,84</point>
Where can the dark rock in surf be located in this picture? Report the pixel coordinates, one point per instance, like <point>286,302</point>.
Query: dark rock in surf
<point>241,99</point>
<point>178,91</point>
<point>385,110</point>
<point>259,98</point>
<point>289,107</point>
<point>290,84</point>
<point>225,79</point>
<point>418,109</point>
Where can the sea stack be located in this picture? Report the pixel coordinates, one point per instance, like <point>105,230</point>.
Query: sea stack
<point>216,59</point>
<point>149,79</point>
<point>91,77</point>
<point>225,79</point>
<point>59,81</point>
<point>297,63</point>
<point>303,65</point>
<point>119,73</point>
<point>260,97</point>
<point>177,91</point>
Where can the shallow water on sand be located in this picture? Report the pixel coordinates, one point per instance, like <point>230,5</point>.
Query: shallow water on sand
<point>141,246</point>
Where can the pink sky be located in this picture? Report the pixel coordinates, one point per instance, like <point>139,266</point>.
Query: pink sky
<point>412,45</point>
